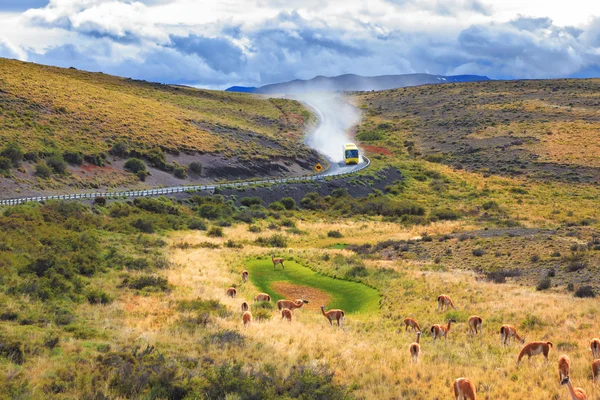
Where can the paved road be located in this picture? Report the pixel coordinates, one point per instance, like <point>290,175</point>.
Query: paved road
<point>335,118</point>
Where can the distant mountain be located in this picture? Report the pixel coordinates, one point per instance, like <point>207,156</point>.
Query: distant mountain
<point>351,82</point>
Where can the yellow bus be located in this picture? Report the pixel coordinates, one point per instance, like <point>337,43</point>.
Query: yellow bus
<point>350,153</point>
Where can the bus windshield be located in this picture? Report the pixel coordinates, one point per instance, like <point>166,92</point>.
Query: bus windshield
<point>351,153</point>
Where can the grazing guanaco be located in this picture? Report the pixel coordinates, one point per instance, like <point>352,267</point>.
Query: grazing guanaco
<point>245,307</point>
<point>595,347</point>
<point>576,393</point>
<point>507,332</point>
<point>287,314</point>
<point>247,318</point>
<point>415,348</point>
<point>277,261</point>
<point>564,365</point>
<point>262,297</point>
<point>338,315</point>
<point>475,323</point>
<point>595,370</point>
<point>464,389</point>
<point>411,322</point>
<point>231,292</point>
<point>535,348</point>
<point>298,303</point>
<point>439,331</point>
<point>444,302</point>
<point>244,276</point>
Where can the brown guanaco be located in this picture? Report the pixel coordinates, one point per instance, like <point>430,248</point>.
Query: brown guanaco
<point>298,303</point>
<point>595,370</point>
<point>564,366</point>
<point>439,331</point>
<point>411,322</point>
<point>338,315</point>
<point>276,261</point>
<point>576,393</point>
<point>595,347</point>
<point>247,318</point>
<point>231,292</point>
<point>415,348</point>
<point>475,324</point>
<point>507,332</point>
<point>244,276</point>
<point>464,389</point>
<point>444,302</point>
<point>287,314</point>
<point>535,348</point>
<point>262,297</point>
<point>245,307</point>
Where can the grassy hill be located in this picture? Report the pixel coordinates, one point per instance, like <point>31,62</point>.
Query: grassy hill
<point>95,121</point>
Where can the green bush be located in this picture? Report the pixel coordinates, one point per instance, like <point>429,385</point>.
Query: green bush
<point>43,170</point>
<point>120,149</point>
<point>261,314</point>
<point>275,240</point>
<point>73,157</point>
<point>250,201</point>
<point>544,284</point>
<point>215,231</point>
<point>13,152</point>
<point>180,173</point>
<point>97,296</point>
<point>156,157</point>
<point>5,164</point>
<point>288,203</point>
<point>368,136</point>
<point>334,234</point>
<point>585,291</point>
<point>445,214</point>
<point>135,165</point>
<point>57,163</point>
<point>277,206</point>
<point>196,167</point>
<point>146,282</point>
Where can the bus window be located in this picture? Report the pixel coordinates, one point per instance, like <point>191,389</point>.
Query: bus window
<point>351,153</point>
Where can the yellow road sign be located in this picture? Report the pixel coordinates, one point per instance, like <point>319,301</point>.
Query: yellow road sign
<point>318,167</point>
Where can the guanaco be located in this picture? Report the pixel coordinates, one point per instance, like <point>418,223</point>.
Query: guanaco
<point>411,322</point>
<point>287,314</point>
<point>576,393</point>
<point>535,348</point>
<point>262,297</point>
<point>415,348</point>
<point>444,301</point>
<point>464,389</point>
<point>595,371</point>
<point>277,261</point>
<point>244,276</point>
<point>245,307</point>
<point>247,318</point>
<point>564,365</point>
<point>595,347</point>
<point>231,292</point>
<point>338,315</point>
<point>475,323</point>
<point>439,331</point>
<point>298,303</point>
<point>507,332</point>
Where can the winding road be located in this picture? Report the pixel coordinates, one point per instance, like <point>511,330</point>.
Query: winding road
<point>335,119</point>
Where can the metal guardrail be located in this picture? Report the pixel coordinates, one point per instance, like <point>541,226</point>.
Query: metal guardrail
<point>179,189</point>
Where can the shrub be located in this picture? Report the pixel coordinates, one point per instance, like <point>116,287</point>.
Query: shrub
<point>288,203</point>
<point>227,337</point>
<point>196,167</point>
<point>146,282</point>
<point>445,214</point>
<point>250,201</point>
<point>275,240</point>
<point>367,136</point>
<point>501,275</point>
<point>42,170</point>
<point>544,284</point>
<point>490,205</point>
<point>334,234</point>
<point>262,314</point>
<point>215,231</point>
<point>142,175</point>
<point>339,192</point>
<point>532,321</point>
<point>277,206</point>
<point>197,224</point>
<point>143,225</point>
<point>13,152</point>
<point>288,223</point>
<point>57,163</point>
<point>254,229</point>
<point>5,163</point>
<point>233,245</point>
<point>135,165</point>
<point>73,157</point>
<point>357,271</point>
<point>120,149</point>
<point>478,252</point>
<point>576,265</point>
<point>180,173</point>
<point>585,291</point>
<point>100,201</point>
<point>97,296</point>
<point>535,258</point>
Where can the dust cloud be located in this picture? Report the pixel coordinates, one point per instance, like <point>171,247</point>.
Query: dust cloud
<point>336,117</point>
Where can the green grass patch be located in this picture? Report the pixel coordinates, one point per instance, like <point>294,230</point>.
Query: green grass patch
<point>351,297</point>
<point>338,246</point>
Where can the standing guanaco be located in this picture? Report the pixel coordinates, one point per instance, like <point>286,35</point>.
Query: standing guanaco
<point>262,297</point>
<point>444,302</point>
<point>287,314</point>
<point>276,261</point>
<point>595,347</point>
<point>535,348</point>
<point>507,332</point>
<point>595,371</point>
<point>576,393</point>
<point>245,307</point>
<point>439,331</point>
<point>475,323</point>
<point>247,318</point>
<point>411,322</point>
<point>564,365</point>
<point>231,292</point>
<point>338,315</point>
<point>415,348</point>
<point>244,276</point>
<point>464,389</point>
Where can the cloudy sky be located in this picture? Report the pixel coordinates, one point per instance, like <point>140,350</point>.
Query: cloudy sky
<point>218,43</point>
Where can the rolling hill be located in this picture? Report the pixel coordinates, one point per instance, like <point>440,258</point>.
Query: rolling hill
<point>351,82</point>
<point>94,122</point>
